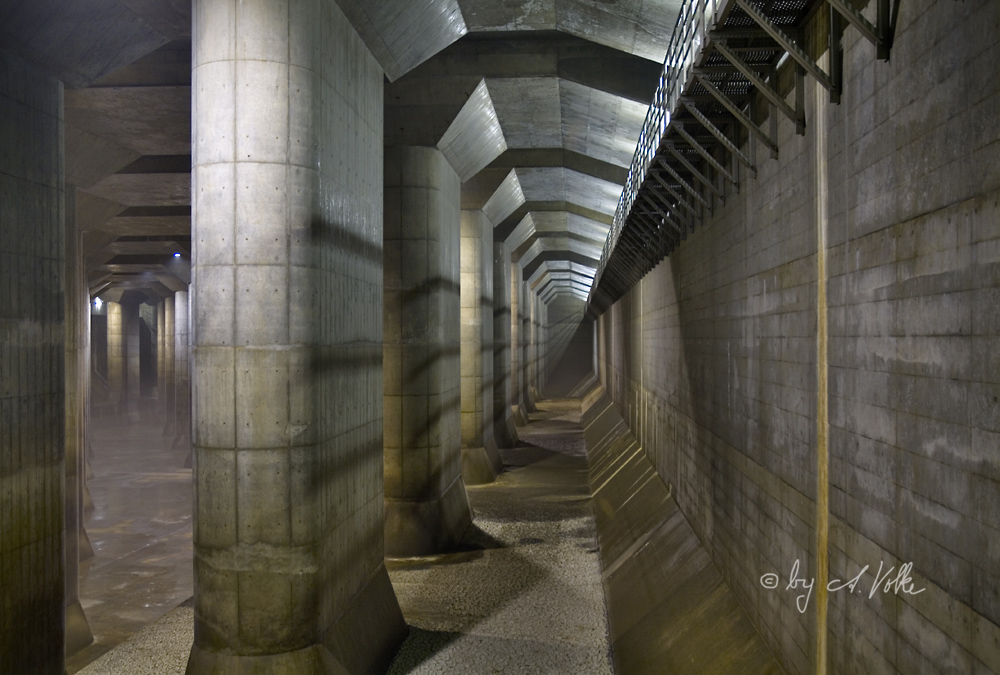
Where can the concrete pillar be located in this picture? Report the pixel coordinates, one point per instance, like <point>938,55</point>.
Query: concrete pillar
<point>480,458</point>
<point>182,383</point>
<point>132,387</point>
<point>32,385</point>
<point>117,366</point>
<point>517,360</point>
<point>287,333</point>
<point>533,346</point>
<point>524,313</point>
<point>169,394</point>
<point>161,400</point>
<point>426,508</point>
<point>503,421</point>
<point>77,372</point>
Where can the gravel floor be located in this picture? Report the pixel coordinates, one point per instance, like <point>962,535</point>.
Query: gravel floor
<point>161,648</point>
<point>523,596</point>
<point>526,597</point>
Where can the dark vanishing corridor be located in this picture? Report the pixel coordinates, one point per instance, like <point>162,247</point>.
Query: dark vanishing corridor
<point>524,595</point>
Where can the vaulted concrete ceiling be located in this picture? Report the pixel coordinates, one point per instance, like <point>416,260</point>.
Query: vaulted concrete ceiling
<point>128,153</point>
<point>566,84</point>
<point>127,68</point>
<point>537,104</point>
<point>402,34</point>
<point>557,105</point>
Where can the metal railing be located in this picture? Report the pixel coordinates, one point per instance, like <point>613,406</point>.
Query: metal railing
<point>688,39</point>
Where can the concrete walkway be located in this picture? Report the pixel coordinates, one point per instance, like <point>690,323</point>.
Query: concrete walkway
<point>523,596</point>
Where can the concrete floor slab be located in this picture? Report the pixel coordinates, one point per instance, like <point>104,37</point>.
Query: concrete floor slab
<point>523,595</point>
<point>141,533</point>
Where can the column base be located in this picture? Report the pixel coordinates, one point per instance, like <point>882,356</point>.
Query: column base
<point>529,401</point>
<point>367,636</point>
<point>519,416</point>
<point>363,641</point>
<point>416,528</point>
<point>477,467</point>
<point>78,633</point>
<point>505,432</point>
<point>88,501</point>
<point>86,548</point>
<point>315,659</point>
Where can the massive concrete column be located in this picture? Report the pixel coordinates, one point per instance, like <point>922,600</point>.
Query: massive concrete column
<point>524,312</point>
<point>77,378</point>
<point>503,421</point>
<point>287,355</point>
<point>427,510</point>
<point>532,335</point>
<point>117,355</point>
<point>480,459</point>
<point>132,388</point>
<point>161,350</point>
<point>182,382</point>
<point>517,360</point>
<point>169,394</point>
<point>32,436</point>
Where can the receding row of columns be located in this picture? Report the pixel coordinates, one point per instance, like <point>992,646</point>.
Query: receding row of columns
<point>326,432</point>
<point>171,326</point>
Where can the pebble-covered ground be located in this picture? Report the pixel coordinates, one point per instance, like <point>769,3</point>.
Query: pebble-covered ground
<point>526,597</point>
<point>161,648</point>
<point>523,596</point>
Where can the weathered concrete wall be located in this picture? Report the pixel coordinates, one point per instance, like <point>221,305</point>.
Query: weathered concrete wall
<point>287,343</point>
<point>669,609</point>
<point>32,475</point>
<point>714,359</point>
<point>480,458</point>
<point>427,509</point>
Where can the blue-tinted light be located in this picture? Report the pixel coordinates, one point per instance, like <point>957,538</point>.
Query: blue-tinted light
<point>177,255</point>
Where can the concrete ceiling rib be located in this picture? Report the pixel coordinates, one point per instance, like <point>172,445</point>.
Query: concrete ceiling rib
<point>402,34</point>
<point>475,138</point>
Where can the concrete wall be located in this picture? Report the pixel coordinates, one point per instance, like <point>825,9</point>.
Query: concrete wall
<point>32,479</point>
<point>716,360</point>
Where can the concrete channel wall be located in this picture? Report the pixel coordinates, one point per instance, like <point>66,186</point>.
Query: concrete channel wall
<point>720,363</point>
<point>669,609</point>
